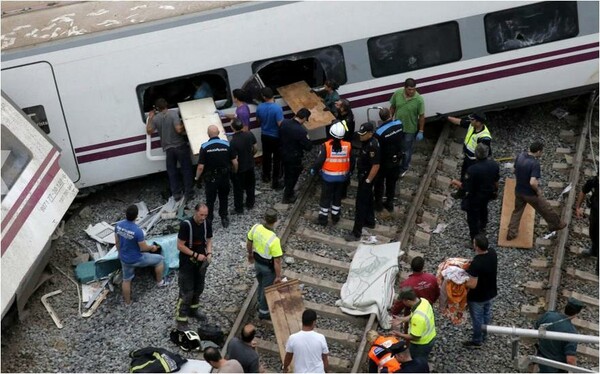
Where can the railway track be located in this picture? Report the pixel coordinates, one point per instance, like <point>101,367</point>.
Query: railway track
<point>321,257</point>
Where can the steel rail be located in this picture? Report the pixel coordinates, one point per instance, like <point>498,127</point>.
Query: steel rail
<point>567,211</point>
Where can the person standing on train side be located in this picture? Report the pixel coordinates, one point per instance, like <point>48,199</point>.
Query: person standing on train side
<point>175,145</point>
<point>389,135</point>
<point>529,191</point>
<point>591,185</point>
<point>408,106</point>
<point>133,252</point>
<point>368,166</point>
<point>294,141</point>
<point>243,143</point>
<point>194,242</point>
<point>331,94</point>
<point>264,251</point>
<point>481,186</point>
<point>269,116</point>
<point>482,285</point>
<point>477,132</point>
<point>216,161</point>
<point>335,162</point>
<point>242,111</point>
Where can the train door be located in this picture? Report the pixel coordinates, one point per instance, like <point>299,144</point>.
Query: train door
<point>33,88</point>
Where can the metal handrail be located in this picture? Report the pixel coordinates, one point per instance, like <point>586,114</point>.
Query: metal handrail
<point>557,364</point>
<point>542,334</point>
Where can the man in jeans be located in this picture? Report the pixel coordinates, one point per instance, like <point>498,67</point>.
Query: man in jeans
<point>482,288</point>
<point>264,251</point>
<point>174,143</point>
<point>269,116</point>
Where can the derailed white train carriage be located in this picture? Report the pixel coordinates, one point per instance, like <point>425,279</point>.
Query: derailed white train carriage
<point>91,93</point>
<point>36,193</point>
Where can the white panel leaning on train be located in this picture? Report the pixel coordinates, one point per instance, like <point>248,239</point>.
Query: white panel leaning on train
<point>36,193</point>
<point>91,92</point>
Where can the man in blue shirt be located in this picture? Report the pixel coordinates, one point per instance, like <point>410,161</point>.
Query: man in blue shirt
<point>529,191</point>
<point>133,252</point>
<point>269,116</point>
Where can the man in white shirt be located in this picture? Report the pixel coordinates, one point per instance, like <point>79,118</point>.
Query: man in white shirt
<point>307,347</point>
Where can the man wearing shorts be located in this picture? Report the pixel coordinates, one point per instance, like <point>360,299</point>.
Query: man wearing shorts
<point>133,252</point>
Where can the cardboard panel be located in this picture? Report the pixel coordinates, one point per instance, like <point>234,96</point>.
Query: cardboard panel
<point>197,115</point>
<point>298,95</point>
<point>525,237</point>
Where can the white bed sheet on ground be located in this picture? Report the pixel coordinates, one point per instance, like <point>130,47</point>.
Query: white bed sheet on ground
<point>370,284</point>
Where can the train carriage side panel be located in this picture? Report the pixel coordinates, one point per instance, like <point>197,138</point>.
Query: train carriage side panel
<point>36,193</point>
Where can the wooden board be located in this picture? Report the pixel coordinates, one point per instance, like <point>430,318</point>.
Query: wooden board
<point>525,237</point>
<point>197,115</point>
<point>298,95</point>
<point>286,306</point>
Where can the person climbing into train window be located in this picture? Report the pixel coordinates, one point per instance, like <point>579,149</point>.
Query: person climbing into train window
<point>368,167</point>
<point>421,324</point>
<point>424,284</point>
<point>243,143</point>
<point>477,132</point>
<point>216,161</point>
<point>529,191</point>
<point>269,116</point>
<point>389,135</point>
<point>335,164</point>
<point>133,252</point>
<point>331,95</point>
<point>482,285</point>
<point>407,105</point>
<point>194,242</point>
<point>294,141</point>
<point>591,185</point>
<point>241,98</point>
<point>557,350</point>
<point>264,251</point>
<point>203,89</point>
<point>174,143</point>
<point>480,186</point>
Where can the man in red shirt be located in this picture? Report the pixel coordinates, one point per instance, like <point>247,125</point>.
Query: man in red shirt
<point>424,284</point>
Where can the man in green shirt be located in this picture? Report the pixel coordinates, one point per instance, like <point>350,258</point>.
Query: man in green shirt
<point>408,106</point>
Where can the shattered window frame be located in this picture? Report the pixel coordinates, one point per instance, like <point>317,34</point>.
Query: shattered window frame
<point>530,25</point>
<point>414,49</point>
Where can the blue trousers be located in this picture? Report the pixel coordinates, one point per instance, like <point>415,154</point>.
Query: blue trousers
<point>481,314</point>
<point>408,144</point>
<point>181,154</point>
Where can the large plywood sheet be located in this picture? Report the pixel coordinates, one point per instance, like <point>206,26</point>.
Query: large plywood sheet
<point>286,306</point>
<point>298,95</point>
<point>525,237</point>
<point>197,115</point>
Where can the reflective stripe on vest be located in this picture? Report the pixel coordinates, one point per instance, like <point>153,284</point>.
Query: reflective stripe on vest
<point>425,311</point>
<point>472,138</point>
<point>262,238</point>
<point>337,163</point>
<point>213,141</point>
<point>381,356</point>
<point>383,128</point>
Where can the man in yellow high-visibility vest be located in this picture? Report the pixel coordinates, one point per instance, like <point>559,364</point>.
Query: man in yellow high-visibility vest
<point>264,251</point>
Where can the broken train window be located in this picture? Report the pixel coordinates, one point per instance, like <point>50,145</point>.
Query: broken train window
<point>15,157</point>
<point>530,25</point>
<point>314,67</point>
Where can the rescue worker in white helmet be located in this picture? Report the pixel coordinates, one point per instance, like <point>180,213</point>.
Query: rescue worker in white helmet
<point>335,163</point>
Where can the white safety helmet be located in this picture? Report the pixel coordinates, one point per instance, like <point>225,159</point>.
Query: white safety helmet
<point>337,130</point>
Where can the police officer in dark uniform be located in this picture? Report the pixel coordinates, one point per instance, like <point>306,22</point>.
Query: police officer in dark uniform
<point>389,135</point>
<point>481,186</point>
<point>215,162</point>
<point>368,166</point>
<point>294,141</point>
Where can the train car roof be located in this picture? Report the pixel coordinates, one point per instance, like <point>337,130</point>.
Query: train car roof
<point>28,23</point>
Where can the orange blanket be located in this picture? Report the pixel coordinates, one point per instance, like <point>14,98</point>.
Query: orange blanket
<point>453,297</point>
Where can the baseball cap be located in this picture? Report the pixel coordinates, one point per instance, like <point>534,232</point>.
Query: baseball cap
<point>575,303</point>
<point>365,128</point>
<point>399,347</point>
<point>478,117</point>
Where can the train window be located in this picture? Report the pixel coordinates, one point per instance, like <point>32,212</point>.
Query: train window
<point>314,67</point>
<point>15,157</point>
<point>190,87</point>
<point>414,49</point>
<point>530,25</point>
<point>38,115</point>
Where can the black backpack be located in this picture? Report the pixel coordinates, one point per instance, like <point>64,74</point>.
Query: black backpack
<point>154,360</point>
<point>211,333</point>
